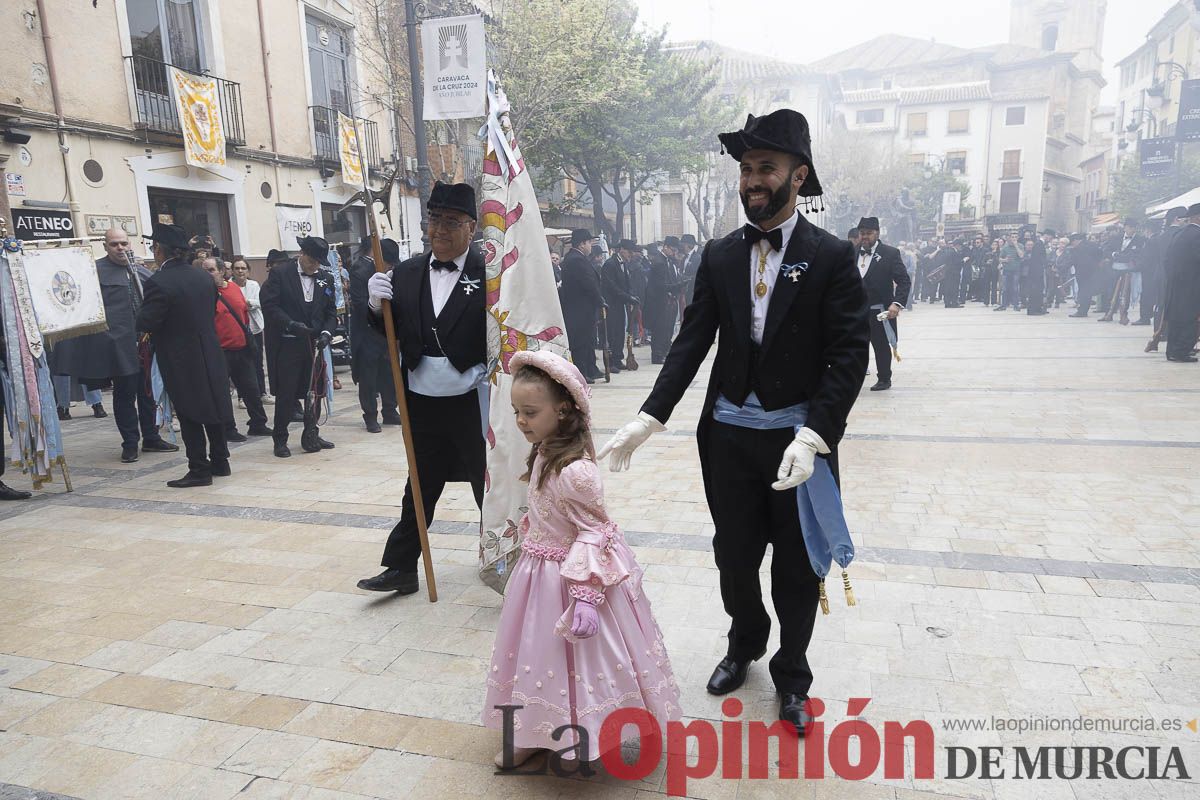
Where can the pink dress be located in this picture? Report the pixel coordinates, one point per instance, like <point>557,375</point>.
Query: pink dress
<point>573,550</point>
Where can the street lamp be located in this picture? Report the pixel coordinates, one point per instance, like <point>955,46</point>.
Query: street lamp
<point>1159,89</point>
<point>1136,118</point>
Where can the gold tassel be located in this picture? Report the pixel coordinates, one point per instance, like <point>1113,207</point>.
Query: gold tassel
<point>896,355</point>
<point>849,592</point>
<point>824,598</point>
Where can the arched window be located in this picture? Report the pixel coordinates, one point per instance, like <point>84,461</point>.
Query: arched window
<point>1049,36</point>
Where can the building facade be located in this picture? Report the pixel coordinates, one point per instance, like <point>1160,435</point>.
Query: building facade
<point>85,89</point>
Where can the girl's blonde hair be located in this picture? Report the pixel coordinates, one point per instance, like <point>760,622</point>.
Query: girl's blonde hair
<point>573,439</point>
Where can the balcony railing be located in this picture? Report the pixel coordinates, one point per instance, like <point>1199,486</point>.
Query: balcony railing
<point>156,106</point>
<point>325,136</point>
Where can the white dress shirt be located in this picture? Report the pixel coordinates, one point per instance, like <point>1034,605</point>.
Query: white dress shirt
<point>308,283</point>
<point>251,292</point>
<point>864,260</point>
<point>759,305</point>
<point>441,282</point>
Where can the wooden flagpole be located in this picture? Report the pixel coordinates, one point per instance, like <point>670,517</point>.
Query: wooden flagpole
<point>398,380</point>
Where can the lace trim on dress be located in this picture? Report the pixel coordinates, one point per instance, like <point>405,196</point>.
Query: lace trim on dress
<point>549,552</point>
<point>586,593</point>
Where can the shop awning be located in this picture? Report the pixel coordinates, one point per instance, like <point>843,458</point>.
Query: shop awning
<point>1186,199</point>
<point>1102,222</point>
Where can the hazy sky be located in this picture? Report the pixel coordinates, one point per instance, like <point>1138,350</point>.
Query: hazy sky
<point>807,30</point>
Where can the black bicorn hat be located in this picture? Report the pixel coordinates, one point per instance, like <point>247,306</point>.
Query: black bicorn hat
<point>868,224</point>
<point>168,236</point>
<point>671,241</point>
<point>1193,210</point>
<point>581,235</point>
<point>453,197</point>
<point>784,131</point>
<point>390,250</point>
<point>314,247</point>
<point>274,256</point>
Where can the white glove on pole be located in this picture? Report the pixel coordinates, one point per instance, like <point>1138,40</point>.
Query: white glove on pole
<point>798,459</point>
<point>628,439</point>
<point>379,288</point>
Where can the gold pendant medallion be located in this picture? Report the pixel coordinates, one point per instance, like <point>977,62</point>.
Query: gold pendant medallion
<point>760,289</point>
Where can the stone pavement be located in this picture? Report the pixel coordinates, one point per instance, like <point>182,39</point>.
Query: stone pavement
<point>1025,501</point>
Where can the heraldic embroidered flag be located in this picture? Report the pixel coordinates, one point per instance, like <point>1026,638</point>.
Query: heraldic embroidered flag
<point>64,291</point>
<point>199,108</point>
<point>523,314</point>
<point>348,152</point>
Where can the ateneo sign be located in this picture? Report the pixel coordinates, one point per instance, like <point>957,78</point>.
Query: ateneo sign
<point>34,224</point>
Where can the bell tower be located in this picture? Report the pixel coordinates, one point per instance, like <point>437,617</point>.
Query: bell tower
<point>1070,26</point>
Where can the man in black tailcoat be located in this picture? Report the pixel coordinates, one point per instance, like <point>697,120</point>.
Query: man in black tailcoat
<point>178,309</point>
<point>664,285</point>
<point>618,296</point>
<point>368,348</point>
<point>1183,289</point>
<point>299,312</point>
<point>887,284</point>
<point>581,299</point>
<point>438,309</point>
<point>791,313</point>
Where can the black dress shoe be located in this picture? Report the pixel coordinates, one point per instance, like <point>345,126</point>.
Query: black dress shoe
<point>98,411</point>
<point>325,445</point>
<point>791,709</point>
<point>881,386</point>
<point>129,455</point>
<point>9,493</point>
<point>159,446</point>
<point>64,413</point>
<point>261,430</point>
<point>235,436</point>
<point>392,419</point>
<point>192,478</point>
<point>282,451</point>
<point>730,674</point>
<point>391,580</point>
<point>589,381</point>
<point>373,425</point>
<point>220,469</point>
<point>1182,359</point>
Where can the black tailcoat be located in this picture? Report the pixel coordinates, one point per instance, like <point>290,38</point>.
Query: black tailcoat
<point>178,311</point>
<point>367,343</point>
<point>887,279</point>
<point>282,301</point>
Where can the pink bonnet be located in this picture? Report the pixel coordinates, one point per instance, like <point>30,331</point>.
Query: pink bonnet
<point>560,371</point>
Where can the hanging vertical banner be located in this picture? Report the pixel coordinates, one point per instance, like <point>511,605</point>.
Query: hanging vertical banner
<point>199,109</point>
<point>348,152</point>
<point>1157,156</point>
<point>455,67</point>
<point>1187,129</point>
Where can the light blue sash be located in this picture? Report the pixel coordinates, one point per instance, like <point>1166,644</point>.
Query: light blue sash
<point>888,328</point>
<point>818,500</point>
<point>435,376</point>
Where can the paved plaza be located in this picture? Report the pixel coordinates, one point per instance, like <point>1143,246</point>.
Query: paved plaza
<point>1025,503</point>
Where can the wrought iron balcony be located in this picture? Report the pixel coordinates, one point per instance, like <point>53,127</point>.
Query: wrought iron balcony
<point>325,137</point>
<point>156,105</point>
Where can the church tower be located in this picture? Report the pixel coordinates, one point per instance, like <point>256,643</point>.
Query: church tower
<point>1071,26</point>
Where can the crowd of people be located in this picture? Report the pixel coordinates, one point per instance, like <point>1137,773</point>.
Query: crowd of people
<point>1131,275</point>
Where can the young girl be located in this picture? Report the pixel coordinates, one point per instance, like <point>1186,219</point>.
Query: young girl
<point>576,639</point>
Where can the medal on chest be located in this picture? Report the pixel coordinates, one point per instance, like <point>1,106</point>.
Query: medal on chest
<point>760,288</point>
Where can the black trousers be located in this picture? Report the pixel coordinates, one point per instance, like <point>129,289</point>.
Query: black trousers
<point>134,410</point>
<point>662,328</point>
<point>748,514</point>
<point>581,332</point>
<point>240,364</point>
<point>1181,327</point>
<point>375,384</point>
<point>293,372</point>
<point>617,324</point>
<point>446,441</point>
<point>201,458</point>
<point>258,363</point>
<point>1151,292</point>
<point>883,350</point>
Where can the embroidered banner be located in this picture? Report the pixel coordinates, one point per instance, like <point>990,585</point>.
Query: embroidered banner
<point>348,152</point>
<point>523,314</point>
<point>199,108</point>
<point>64,291</point>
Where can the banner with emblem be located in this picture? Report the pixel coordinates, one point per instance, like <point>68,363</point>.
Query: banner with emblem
<point>64,291</point>
<point>523,313</point>
<point>349,153</point>
<point>198,105</point>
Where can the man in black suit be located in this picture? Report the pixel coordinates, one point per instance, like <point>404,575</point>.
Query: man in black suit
<point>618,296</point>
<point>887,284</point>
<point>437,304</point>
<point>179,305</point>
<point>791,314</point>
<point>1183,289</point>
<point>581,300</point>
<point>299,310</point>
<point>368,349</point>
<point>1127,251</point>
<point>664,285</point>
<point>689,257</point>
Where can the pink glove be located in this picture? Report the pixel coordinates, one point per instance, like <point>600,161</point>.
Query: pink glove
<point>586,621</point>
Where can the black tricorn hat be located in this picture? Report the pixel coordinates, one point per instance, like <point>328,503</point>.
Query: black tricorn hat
<point>390,250</point>
<point>274,256</point>
<point>453,197</point>
<point>784,131</point>
<point>581,235</point>
<point>314,247</point>
<point>688,238</point>
<point>168,236</point>
<point>627,244</point>
<point>671,241</point>
<point>868,224</point>
<point>1193,210</point>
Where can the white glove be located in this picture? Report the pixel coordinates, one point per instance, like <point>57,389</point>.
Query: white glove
<point>797,464</point>
<point>379,288</point>
<point>628,439</point>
